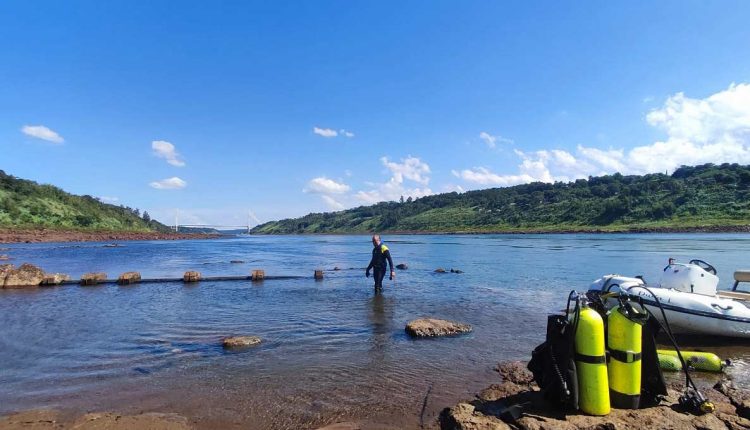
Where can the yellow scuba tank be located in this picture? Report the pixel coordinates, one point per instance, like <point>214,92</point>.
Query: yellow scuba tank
<point>624,366</point>
<point>669,363</point>
<point>591,363</point>
<point>705,361</point>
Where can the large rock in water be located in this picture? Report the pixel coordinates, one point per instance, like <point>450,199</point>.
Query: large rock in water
<point>27,275</point>
<point>430,327</point>
<point>93,278</point>
<point>4,269</point>
<point>240,341</point>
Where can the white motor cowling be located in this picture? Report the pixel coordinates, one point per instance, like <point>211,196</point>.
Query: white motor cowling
<point>689,278</point>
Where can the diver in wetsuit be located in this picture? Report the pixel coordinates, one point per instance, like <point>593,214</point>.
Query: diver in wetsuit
<point>380,254</point>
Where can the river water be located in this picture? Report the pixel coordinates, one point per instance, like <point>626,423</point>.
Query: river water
<point>332,350</point>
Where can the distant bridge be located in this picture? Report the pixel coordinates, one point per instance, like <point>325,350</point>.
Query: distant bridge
<point>247,227</point>
<point>176,227</point>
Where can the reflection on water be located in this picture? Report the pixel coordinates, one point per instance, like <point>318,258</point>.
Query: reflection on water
<point>332,350</point>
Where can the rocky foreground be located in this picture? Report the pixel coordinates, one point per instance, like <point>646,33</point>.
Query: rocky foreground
<point>47,235</point>
<point>517,387</point>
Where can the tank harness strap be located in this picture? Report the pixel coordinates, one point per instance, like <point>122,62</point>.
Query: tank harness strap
<point>591,359</point>
<point>625,356</point>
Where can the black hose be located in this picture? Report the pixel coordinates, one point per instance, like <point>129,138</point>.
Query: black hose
<point>688,380</point>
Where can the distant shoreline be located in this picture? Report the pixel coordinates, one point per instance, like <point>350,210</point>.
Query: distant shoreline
<point>582,230</point>
<point>26,235</point>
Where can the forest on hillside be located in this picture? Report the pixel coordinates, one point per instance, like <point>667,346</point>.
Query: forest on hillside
<point>692,196</point>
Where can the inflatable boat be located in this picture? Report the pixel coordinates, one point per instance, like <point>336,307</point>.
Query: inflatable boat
<point>689,297</point>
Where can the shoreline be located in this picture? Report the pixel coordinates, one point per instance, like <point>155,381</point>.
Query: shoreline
<point>583,230</point>
<point>22,235</point>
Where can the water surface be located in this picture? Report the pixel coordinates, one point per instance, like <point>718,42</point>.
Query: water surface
<point>332,350</point>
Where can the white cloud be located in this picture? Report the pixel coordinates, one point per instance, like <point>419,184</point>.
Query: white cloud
<point>715,129</point>
<point>42,132</point>
<point>411,169</point>
<point>325,132</point>
<point>492,141</point>
<point>107,199</point>
<point>167,151</point>
<point>332,203</point>
<point>346,133</point>
<point>323,185</point>
<point>488,139</point>
<point>173,183</point>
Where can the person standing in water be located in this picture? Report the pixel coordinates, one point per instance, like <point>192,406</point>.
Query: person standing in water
<point>380,255</point>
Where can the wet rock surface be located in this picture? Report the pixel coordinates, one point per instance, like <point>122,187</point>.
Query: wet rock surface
<point>93,278</point>
<point>431,327</point>
<point>493,409</point>
<point>27,275</point>
<point>55,278</point>
<point>402,266</point>
<point>240,341</point>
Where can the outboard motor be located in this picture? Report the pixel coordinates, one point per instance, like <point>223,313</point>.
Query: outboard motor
<point>696,277</point>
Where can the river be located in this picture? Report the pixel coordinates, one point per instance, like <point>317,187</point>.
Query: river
<point>332,350</point>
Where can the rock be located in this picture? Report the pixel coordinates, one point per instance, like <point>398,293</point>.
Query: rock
<point>128,278</point>
<point>27,275</point>
<point>240,341</point>
<point>93,278</point>
<point>440,270</point>
<point>337,268</point>
<point>463,416</point>
<point>402,266</point>
<point>4,257</point>
<point>515,372</point>
<point>4,269</point>
<point>429,327</point>
<point>112,245</point>
<point>236,261</point>
<point>191,276</point>
<point>55,278</point>
<point>457,271</point>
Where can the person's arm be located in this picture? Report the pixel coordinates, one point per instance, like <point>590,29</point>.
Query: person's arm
<point>390,262</point>
<point>370,266</point>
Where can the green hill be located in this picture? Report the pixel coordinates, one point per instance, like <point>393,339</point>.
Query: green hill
<point>700,196</point>
<point>26,204</point>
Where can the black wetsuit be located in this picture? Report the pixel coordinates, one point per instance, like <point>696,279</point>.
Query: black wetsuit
<point>380,255</point>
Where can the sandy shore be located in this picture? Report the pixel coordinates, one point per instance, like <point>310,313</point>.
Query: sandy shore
<point>8,235</point>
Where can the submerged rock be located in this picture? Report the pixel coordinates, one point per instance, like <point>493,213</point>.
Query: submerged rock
<point>402,266</point>
<point>457,271</point>
<point>128,278</point>
<point>27,275</point>
<point>55,278</point>
<point>430,327</point>
<point>439,270</point>
<point>191,276</point>
<point>4,257</point>
<point>236,261</point>
<point>240,341</point>
<point>93,278</point>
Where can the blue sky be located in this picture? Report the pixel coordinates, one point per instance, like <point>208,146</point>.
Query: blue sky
<point>211,110</point>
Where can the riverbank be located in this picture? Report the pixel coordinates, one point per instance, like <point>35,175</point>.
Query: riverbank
<point>10,235</point>
<point>632,229</point>
<point>490,408</point>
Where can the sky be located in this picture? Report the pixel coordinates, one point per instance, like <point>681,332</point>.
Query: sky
<point>232,112</point>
